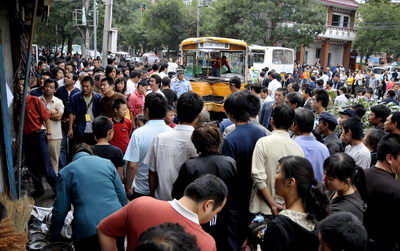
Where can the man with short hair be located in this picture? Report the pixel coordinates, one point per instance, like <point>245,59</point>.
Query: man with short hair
<point>391,98</point>
<point>64,93</point>
<point>181,85</point>
<point>106,102</point>
<point>382,218</point>
<point>35,143</point>
<point>41,67</point>
<point>155,84</point>
<point>327,126</point>
<point>56,108</point>
<point>274,84</point>
<point>136,99</point>
<point>137,173</point>
<point>392,123</point>
<point>267,153</point>
<point>132,82</point>
<point>308,93</point>
<point>294,100</point>
<point>81,76</point>
<point>202,200</point>
<point>267,108</point>
<point>168,92</point>
<point>84,107</point>
<point>39,91</point>
<point>342,231</point>
<point>320,101</point>
<point>352,134</point>
<point>239,145</point>
<point>314,151</point>
<point>170,150</point>
<point>378,115</point>
<point>235,84</point>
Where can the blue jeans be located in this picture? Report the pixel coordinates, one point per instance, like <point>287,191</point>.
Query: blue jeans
<point>64,146</point>
<point>37,158</point>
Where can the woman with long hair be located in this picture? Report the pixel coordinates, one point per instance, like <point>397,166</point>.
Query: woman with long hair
<point>111,72</point>
<point>120,85</point>
<point>306,203</point>
<point>347,182</point>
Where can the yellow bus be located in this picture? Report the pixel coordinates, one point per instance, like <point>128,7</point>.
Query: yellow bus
<point>210,62</point>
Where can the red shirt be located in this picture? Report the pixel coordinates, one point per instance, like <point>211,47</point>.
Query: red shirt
<point>146,212</point>
<point>122,133</point>
<point>35,114</point>
<point>136,103</point>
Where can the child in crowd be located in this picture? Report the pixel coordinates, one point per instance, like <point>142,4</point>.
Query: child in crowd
<point>122,125</point>
<point>169,118</point>
<point>103,132</point>
<point>140,120</point>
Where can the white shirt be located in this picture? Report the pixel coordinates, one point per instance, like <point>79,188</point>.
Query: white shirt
<point>360,154</point>
<point>272,86</point>
<point>158,91</point>
<point>77,84</point>
<point>341,99</point>
<point>60,82</point>
<point>162,74</point>
<point>168,152</point>
<point>130,87</point>
<point>55,125</point>
<point>172,66</point>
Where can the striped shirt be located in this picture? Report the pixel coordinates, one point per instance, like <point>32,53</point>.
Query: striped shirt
<point>166,156</point>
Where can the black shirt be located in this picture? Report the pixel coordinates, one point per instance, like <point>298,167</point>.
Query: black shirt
<point>333,143</point>
<point>223,167</point>
<point>283,234</point>
<point>382,218</point>
<point>171,96</point>
<point>351,203</point>
<point>110,152</point>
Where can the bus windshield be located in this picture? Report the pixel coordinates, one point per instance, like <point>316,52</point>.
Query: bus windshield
<point>214,64</point>
<point>280,56</point>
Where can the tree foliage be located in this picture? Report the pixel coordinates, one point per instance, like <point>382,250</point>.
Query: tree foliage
<point>294,22</point>
<point>58,28</point>
<point>378,31</point>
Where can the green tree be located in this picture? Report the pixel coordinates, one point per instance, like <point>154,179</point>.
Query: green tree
<point>58,28</point>
<point>167,23</point>
<point>294,22</point>
<point>378,29</point>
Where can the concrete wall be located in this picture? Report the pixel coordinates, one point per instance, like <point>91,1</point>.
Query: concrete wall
<point>336,51</point>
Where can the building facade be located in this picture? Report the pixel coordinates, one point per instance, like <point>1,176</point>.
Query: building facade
<point>334,46</point>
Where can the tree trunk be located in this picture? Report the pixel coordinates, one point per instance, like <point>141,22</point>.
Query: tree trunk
<point>62,43</point>
<point>69,41</point>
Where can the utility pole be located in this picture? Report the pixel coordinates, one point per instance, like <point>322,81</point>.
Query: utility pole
<point>86,35</point>
<point>106,31</point>
<point>95,28</point>
<point>198,19</point>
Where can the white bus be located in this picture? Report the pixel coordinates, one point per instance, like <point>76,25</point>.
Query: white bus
<point>279,59</point>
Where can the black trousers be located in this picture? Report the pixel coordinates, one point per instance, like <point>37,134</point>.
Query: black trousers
<point>92,243</point>
<point>37,158</point>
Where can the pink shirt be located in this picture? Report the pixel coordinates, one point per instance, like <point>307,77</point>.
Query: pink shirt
<point>136,103</point>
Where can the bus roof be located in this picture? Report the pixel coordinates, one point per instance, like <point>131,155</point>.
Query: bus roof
<point>259,47</point>
<point>197,40</point>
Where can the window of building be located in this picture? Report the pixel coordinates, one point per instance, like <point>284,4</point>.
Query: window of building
<point>335,20</point>
<point>318,53</point>
<point>340,20</point>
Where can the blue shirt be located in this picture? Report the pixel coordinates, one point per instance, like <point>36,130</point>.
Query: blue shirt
<point>138,147</point>
<point>77,106</point>
<point>315,152</point>
<point>63,94</point>
<point>37,92</point>
<point>224,124</point>
<point>181,86</point>
<point>266,114</point>
<point>239,144</point>
<point>92,185</point>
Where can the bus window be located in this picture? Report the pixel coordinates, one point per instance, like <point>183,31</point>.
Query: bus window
<point>258,56</point>
<point>280,56</point>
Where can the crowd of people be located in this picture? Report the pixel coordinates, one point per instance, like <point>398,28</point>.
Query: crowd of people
<point>280,171</point>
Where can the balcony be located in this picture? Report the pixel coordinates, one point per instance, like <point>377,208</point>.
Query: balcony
<point>339,33</point>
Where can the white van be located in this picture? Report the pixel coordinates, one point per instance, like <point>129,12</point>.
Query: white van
<point>280,59</point>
